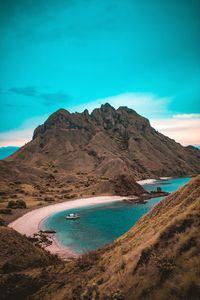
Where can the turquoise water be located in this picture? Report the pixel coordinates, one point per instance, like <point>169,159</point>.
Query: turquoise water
<point>103,223</point>
<point>168,185</point>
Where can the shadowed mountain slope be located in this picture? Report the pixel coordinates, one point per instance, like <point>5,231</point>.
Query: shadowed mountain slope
<point>23,266</point>
<point>18,254</point>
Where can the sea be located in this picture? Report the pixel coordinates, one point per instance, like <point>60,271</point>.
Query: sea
<point>103,223</point>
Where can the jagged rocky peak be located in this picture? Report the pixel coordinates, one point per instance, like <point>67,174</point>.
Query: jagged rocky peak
<point>60,118</point>
<point>86,113</point>
<point>108,141</point>
<point>127,110</point>
<point>106,117</point>
<point>130,118</point>
<point>107,108</point>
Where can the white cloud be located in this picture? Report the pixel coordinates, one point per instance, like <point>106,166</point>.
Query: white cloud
<point>22,135</point>
<point>186,116</point>
<point>15,137</point>
<point>185,131</point>
<point>146,104</point>
<point>184,128</point>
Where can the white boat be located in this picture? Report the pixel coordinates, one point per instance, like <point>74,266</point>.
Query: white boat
<point>72,217</point>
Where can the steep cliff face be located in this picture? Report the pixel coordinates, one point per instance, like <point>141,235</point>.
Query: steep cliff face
<point>106,142</point>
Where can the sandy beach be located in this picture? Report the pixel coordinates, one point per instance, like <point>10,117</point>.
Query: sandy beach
<point>147,181</point>
<point>31,222</point>
<point>151,180</point>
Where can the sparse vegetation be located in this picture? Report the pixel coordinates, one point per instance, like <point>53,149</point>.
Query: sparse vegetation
<point>87,260</point>
<point>16,204</point>
<point>157,259</point>
<point>6,211</point>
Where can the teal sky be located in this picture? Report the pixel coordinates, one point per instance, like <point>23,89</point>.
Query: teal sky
<point>78,54</point>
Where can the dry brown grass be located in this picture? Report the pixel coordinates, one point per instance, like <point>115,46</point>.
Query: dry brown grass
<point>157,259</point>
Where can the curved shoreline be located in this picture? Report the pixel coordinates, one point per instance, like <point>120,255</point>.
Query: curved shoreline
<point>147,181</point>
<point>31,222</point>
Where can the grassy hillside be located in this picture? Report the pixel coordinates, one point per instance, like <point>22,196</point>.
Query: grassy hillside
<point>22,265</point>
<point>157,259</point>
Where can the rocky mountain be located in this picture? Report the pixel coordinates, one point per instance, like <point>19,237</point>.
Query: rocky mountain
<point>79,154</point>
<point>158,258</point>
<point>107,142</point>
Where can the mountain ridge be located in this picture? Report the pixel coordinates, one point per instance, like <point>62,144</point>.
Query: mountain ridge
<point>108,136</point>
<point>73,155</point>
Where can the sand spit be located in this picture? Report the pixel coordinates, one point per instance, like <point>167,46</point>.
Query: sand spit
<point>31,223</point>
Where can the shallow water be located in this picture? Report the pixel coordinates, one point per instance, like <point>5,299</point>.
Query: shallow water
<point>103,223</point>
